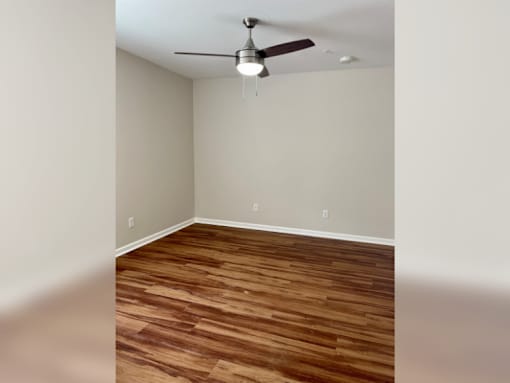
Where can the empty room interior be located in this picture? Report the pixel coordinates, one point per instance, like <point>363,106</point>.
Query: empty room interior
<point>255,191</point>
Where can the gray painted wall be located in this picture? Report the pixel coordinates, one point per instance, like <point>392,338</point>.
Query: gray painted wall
<point>308,142</point>
<point>154,148</point>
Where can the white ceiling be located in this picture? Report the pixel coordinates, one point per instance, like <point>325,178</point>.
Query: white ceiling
<point>154,29</point>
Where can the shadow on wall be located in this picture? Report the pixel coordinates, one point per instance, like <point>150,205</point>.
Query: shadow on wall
<point>64,336</point>
<point>451,334</point>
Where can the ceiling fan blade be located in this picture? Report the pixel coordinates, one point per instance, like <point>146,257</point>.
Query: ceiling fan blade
<point>203,54</point>
<point>284,48</point>
<point>264,72</point>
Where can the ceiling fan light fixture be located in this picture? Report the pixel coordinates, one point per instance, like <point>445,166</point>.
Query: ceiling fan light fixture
<point>250,69</point>
<point>248,63</point>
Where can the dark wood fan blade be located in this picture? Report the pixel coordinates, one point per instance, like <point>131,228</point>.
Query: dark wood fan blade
<point>284,48</point>
<point>264,72</point>
<point>203,54</point>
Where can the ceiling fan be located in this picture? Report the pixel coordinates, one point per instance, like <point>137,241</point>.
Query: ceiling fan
<point>249,59</point>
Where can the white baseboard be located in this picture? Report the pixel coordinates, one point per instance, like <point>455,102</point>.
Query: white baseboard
<point>153,237</point>
<point>291,230</point>
<point>254,226</point>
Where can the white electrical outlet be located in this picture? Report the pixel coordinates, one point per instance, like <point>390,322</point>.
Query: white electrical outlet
<point>325,213</point>
<point>255,207</point>
<point>131,222</point>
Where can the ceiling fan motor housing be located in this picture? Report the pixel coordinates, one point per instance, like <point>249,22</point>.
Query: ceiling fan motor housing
<point>248,56</point>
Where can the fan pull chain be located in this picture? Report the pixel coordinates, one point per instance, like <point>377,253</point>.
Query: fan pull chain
<point>244,87</point>
<point>256,85</point>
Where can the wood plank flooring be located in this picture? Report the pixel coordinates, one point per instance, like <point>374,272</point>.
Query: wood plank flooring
<point>215,304</point>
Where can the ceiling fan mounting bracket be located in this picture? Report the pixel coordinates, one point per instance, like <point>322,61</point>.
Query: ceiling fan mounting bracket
<point>250,22</point>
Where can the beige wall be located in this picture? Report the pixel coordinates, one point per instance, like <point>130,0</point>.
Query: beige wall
<point>452,191</point>
<point>154,148</point>
<point>453,145</point>
<point>308,142</point>
<point>57,144</point>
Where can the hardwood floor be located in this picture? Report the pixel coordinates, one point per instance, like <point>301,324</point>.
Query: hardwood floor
<point>216,304</point>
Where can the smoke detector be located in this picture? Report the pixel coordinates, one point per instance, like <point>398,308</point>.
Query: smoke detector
<point>347,59</point>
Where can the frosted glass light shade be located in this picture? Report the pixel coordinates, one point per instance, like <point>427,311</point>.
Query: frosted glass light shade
<point>250,68</point>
